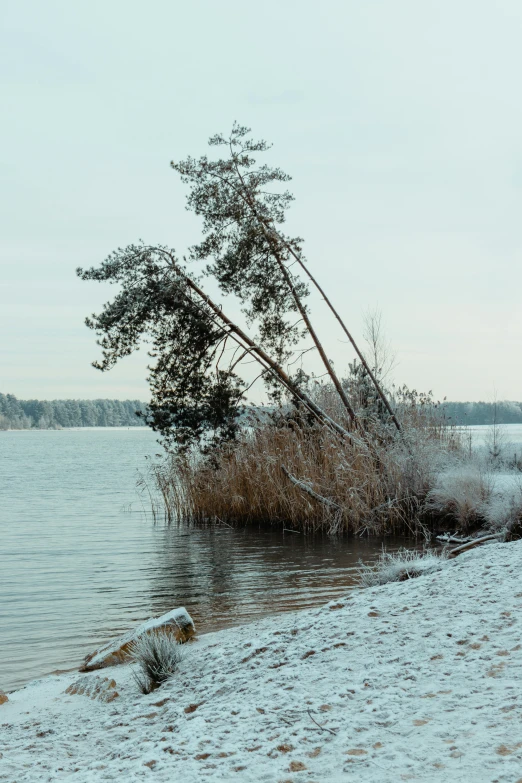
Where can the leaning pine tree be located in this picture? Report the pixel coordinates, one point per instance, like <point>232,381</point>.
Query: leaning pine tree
<point>198,376</point>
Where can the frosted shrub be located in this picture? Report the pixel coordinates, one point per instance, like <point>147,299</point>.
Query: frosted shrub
<point>461,492</point>
<point>399,566</point>
<point>471,493</point>
<point>418,457</point>
<point>503,508</point>
<point>158,656</point>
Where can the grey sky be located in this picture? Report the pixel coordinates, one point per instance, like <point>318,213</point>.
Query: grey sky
<point>399,120</point>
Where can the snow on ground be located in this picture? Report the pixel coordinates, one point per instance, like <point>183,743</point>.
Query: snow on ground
<point>417,680</point>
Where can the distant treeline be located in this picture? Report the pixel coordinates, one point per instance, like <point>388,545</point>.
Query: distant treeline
<point>53,414</point>
<point>504,412</point>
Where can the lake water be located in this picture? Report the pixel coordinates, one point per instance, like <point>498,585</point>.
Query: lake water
<point>81,561</point>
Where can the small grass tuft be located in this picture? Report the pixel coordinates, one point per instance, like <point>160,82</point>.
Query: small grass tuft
<point>158,656</point>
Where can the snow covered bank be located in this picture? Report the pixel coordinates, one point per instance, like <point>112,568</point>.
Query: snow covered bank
<point>416,680</point>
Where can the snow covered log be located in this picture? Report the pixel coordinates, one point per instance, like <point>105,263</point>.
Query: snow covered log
<point>178,623</point>
<point>475,542</point>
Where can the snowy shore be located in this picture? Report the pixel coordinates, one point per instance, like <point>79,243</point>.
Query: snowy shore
<point>418,680</point>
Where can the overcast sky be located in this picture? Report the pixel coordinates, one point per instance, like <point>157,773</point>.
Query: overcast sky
<point>399,120</point>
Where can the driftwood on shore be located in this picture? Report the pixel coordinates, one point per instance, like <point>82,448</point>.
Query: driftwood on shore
<point>473,543</point>
<point>446,538</point>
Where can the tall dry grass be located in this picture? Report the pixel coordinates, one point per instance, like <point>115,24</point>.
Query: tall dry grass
<point>377,484</point>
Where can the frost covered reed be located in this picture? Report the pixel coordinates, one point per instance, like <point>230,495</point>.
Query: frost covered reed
<point>158,656</point>
<point>399,566</point>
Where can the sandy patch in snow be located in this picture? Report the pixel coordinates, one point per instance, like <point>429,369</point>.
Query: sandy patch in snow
<point>418,680</point>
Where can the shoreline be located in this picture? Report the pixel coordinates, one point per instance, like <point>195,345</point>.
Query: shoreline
<point>416,680</point>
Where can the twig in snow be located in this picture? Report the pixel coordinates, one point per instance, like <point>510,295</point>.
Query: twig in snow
<point>319,725</point>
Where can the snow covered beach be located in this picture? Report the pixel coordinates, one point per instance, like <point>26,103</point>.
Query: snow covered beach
<point>417,680</point>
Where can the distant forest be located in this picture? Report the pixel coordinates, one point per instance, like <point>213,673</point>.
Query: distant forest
<point>503,412</point>
<point>18,414</point>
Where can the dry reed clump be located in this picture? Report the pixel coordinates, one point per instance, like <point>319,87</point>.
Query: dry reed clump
<point>377,488</point>
<point>158,656</point>
<point>399,566</point>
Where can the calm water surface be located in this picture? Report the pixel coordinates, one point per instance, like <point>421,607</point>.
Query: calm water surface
<point>81,562</point>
